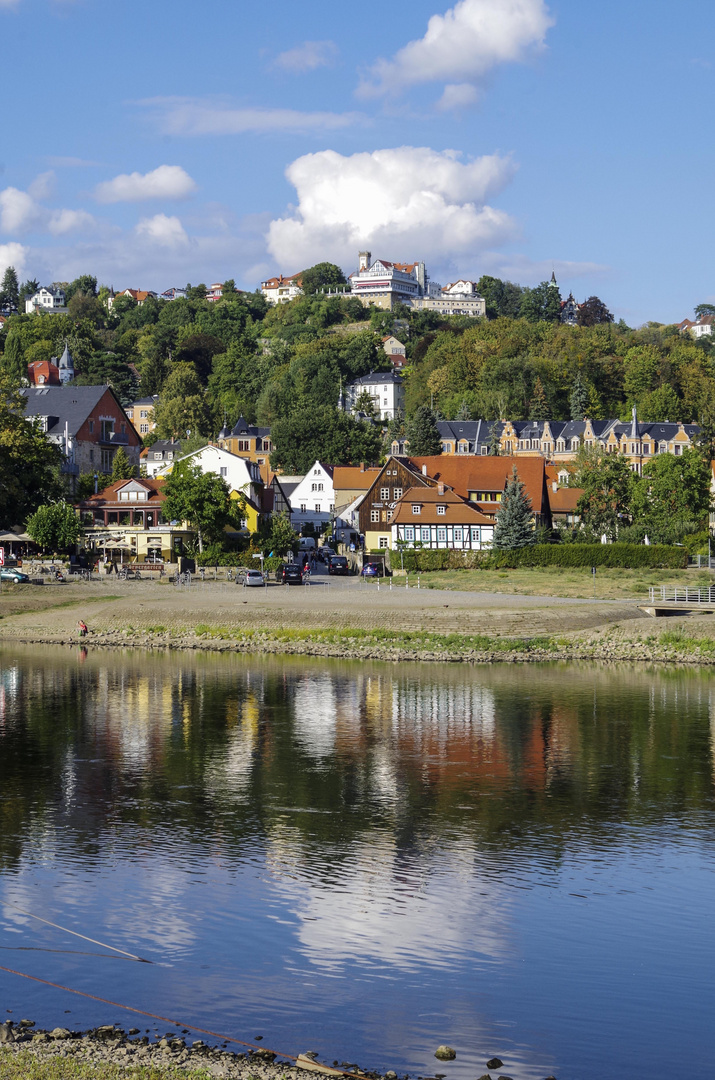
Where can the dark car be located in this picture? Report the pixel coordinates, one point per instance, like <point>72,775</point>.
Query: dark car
<point>325,553</point>
<point>8,573</point>
<point>338,564</point>
<point>372,569</point>
<point>289,574</point>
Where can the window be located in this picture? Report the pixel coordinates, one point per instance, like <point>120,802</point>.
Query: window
<point>441,535</point>
<point>425,536</point>
<point>303,508</point>
<point>442,510</point>
<point>446,448</point>
<point>396,494</point>
<point>91,427</point>
<point>385,494</point>
<point>409,532</point>
<point>91,456</point>
<point>332,508</point>
<point>646,448</point>
<point>157,457</point>
<point>484,451</point>
<point>244,445</point>
<point>107,430</point>
<point>224,471</point>
<point>142,414</point>
<point>383,542</point>
<point>106,456</point>
<point>374,515</point>
<point>463,448</point>
<point>317,508</point>
<point>475,534</point>
<point>458,536</point>
<point>416,508</point>
<point>678,449</point>
<point>143,429</point>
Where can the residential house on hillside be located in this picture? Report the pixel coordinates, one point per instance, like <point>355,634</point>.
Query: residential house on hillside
<point>395,350</point>
<point>385,388</point>
<point>385,284</point>
<point>88,422</point>
<point>281,290</point>
<point>482,480</point>
<point>437,518</point>
<point>140,295</point>
<point>701,327</point>
<point>312,499</point>
<point>241,475</point>
<point>246,440</point>
<point>350,484</point>
<point>457,298</point>
<point>377,506</point>
<point>141,414</point>
<point>43,373</point>
<point>569,310</point>
<point>173,294</point>
<point>48,300</point>
<point>161,454</point>
<point>125,521</point>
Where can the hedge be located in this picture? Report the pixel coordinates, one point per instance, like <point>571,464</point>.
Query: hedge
<point>626,556</point>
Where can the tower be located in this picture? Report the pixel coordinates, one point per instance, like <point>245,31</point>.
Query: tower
<point>66,366</point>
<point>364,260</point>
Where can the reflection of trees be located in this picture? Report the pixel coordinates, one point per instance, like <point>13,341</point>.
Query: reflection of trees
<point>220,752</point>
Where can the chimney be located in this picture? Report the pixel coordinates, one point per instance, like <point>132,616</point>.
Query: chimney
<point>554,485</point>
<point>440,489</point>
<point>362,466</point>
<point>424,470</point>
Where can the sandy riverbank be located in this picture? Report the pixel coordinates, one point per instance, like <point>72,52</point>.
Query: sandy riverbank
<point>353,620</point>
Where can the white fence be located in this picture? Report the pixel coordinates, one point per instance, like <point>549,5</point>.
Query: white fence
<point>679,595</point>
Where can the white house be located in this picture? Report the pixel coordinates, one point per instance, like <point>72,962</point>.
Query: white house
<point>281,290</point>
<point>394,349</point>
<point>385,284</point>
<point>438,518</point>
<point>386,388</point>
<point>239,473</point>
<point>456,298</point>
<point>50,299</point>
<point>173,294</point>
<point>313,497</point>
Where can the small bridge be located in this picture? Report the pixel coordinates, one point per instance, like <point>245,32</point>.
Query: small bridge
<point>672,600</point>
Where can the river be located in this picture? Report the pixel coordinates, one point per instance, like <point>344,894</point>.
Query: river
<point>367,860</point>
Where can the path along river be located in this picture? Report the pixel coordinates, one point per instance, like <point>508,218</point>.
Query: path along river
<point>367,860</point>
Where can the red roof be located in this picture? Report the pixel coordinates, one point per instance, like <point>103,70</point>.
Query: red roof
<point>42,372</point>
<point>456,511</point>
<point>472,472</point>
<point>109,496</point>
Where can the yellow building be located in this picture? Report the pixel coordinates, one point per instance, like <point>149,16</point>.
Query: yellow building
<point>246,441</point>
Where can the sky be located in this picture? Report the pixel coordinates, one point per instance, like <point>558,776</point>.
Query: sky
<point>158,144</point>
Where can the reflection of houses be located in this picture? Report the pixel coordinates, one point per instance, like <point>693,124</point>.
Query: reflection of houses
<point>126,518</point>
<point>87,422</point>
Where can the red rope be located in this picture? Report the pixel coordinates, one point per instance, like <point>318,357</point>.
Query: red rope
<point>155,1016</point>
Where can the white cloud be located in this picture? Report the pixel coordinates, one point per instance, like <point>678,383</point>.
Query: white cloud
<point>165,182</point>
<point>403,203</point>
<point>18,211</point>
<point>458,96</point>
<point>196,116</point>
<point>42,186</point>
<point>13,254</point>
<point>307,57</point>
<point>165,231</point>
<point>463,45</point>
<point>62,222</point>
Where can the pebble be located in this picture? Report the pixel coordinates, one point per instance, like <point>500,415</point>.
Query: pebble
<point>7,1035</point>
<point>446,1053</point>
<point>495,1063</point>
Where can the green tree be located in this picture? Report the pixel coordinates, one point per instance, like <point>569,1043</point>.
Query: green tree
<point>85,283</point>
<point>29,462</point>
<point>324,433</point>
<point>578,400</point>
<point>539,409</point>
<point>283,536</point>
<point>54,526</point>
<point>607,482</point>
<point>200,499</point>
<point>704,309</point>
<point>9,290</point>
<point>592,312</point>
<point>324,275</point>
<point>541,304</point>
<point>422,433</point>
<point>183,407</point>
<point>12,361</point>
<point>365,404</point>
<point>494,439</point>
<point>672,492</point>
<point>515,518</point>
<point>122,468</point>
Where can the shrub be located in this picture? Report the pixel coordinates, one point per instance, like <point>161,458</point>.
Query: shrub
<point>627,556</point>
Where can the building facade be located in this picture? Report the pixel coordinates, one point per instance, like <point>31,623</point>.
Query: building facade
<point>141,414</point>
<point>49,300</point>
<point>312,499</point>
<point>246,440</point>
<point>281,290</point>
<point>156,458</point>
<point>386,390</point>
<point>124,522</point>
<point>437,518</point>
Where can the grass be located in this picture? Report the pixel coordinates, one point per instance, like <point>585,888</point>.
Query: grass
<point>25,1066</point>
<point>577,582</point>
<point>686,643</point>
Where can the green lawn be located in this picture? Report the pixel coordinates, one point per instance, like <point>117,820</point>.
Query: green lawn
<point>554,581</point>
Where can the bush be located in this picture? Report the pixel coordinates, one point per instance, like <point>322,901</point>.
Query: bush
<point>627,556</point>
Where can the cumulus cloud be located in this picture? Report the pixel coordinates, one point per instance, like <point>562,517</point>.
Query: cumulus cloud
<point>463,45</point>
<point>62,222</point>
<point>165,231</point>
<point>405,203</point>
<point>198,116</point>
<point>457,96</point>
<point>13,254</point>
<point>165,182</point>
<point>307,57</point>
<point>18,211</point>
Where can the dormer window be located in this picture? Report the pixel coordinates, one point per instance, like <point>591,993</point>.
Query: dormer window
<point>441,509</point>
<point>416,508</point>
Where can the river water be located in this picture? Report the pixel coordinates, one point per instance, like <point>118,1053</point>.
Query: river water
<point>367,860</point>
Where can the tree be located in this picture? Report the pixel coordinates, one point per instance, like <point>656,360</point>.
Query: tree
<point>55,526</point>
<point>29,463</point>
<point>283,535</point>
<point>541,304</point>
<point>322,275</point>
<point>200,499</point>
<point>365,404</point>
<point>323,433</point>
<point>422,433</point>
<point>578,399</point>
<point>673,492</point>
<point>539,409</point>
<point>494,439</point>
<point>592,312</point>
<point>9,291</point>
<point>515,518</point>
<point>704,309</point>
<point>607,483</point>
<point>183,408</point>
<point>85,283</point>
<point>122,468</point>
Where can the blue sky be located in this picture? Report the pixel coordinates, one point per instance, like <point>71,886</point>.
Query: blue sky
<point>155,144</point>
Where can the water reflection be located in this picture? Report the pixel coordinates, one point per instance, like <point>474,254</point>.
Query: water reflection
<point>367,856</point>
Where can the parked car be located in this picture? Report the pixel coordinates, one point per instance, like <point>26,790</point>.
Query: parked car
<point>250,578</point>
<point>338,564</point>
<point>9,573</point>
<point>289,574</point>
<point>372,569</point>
<point>325,553</point>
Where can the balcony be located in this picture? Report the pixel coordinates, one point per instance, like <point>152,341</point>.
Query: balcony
<point>113,438</point>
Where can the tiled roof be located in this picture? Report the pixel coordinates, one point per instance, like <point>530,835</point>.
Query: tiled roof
<point>110,494</point>
<point>470,472</point>
<point>457,511</point>
<point>564,500</point>
<point>377,377</point>
<point>353,477</point>
<point>70,404</point>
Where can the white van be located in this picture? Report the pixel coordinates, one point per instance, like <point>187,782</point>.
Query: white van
<point>307,543</point>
